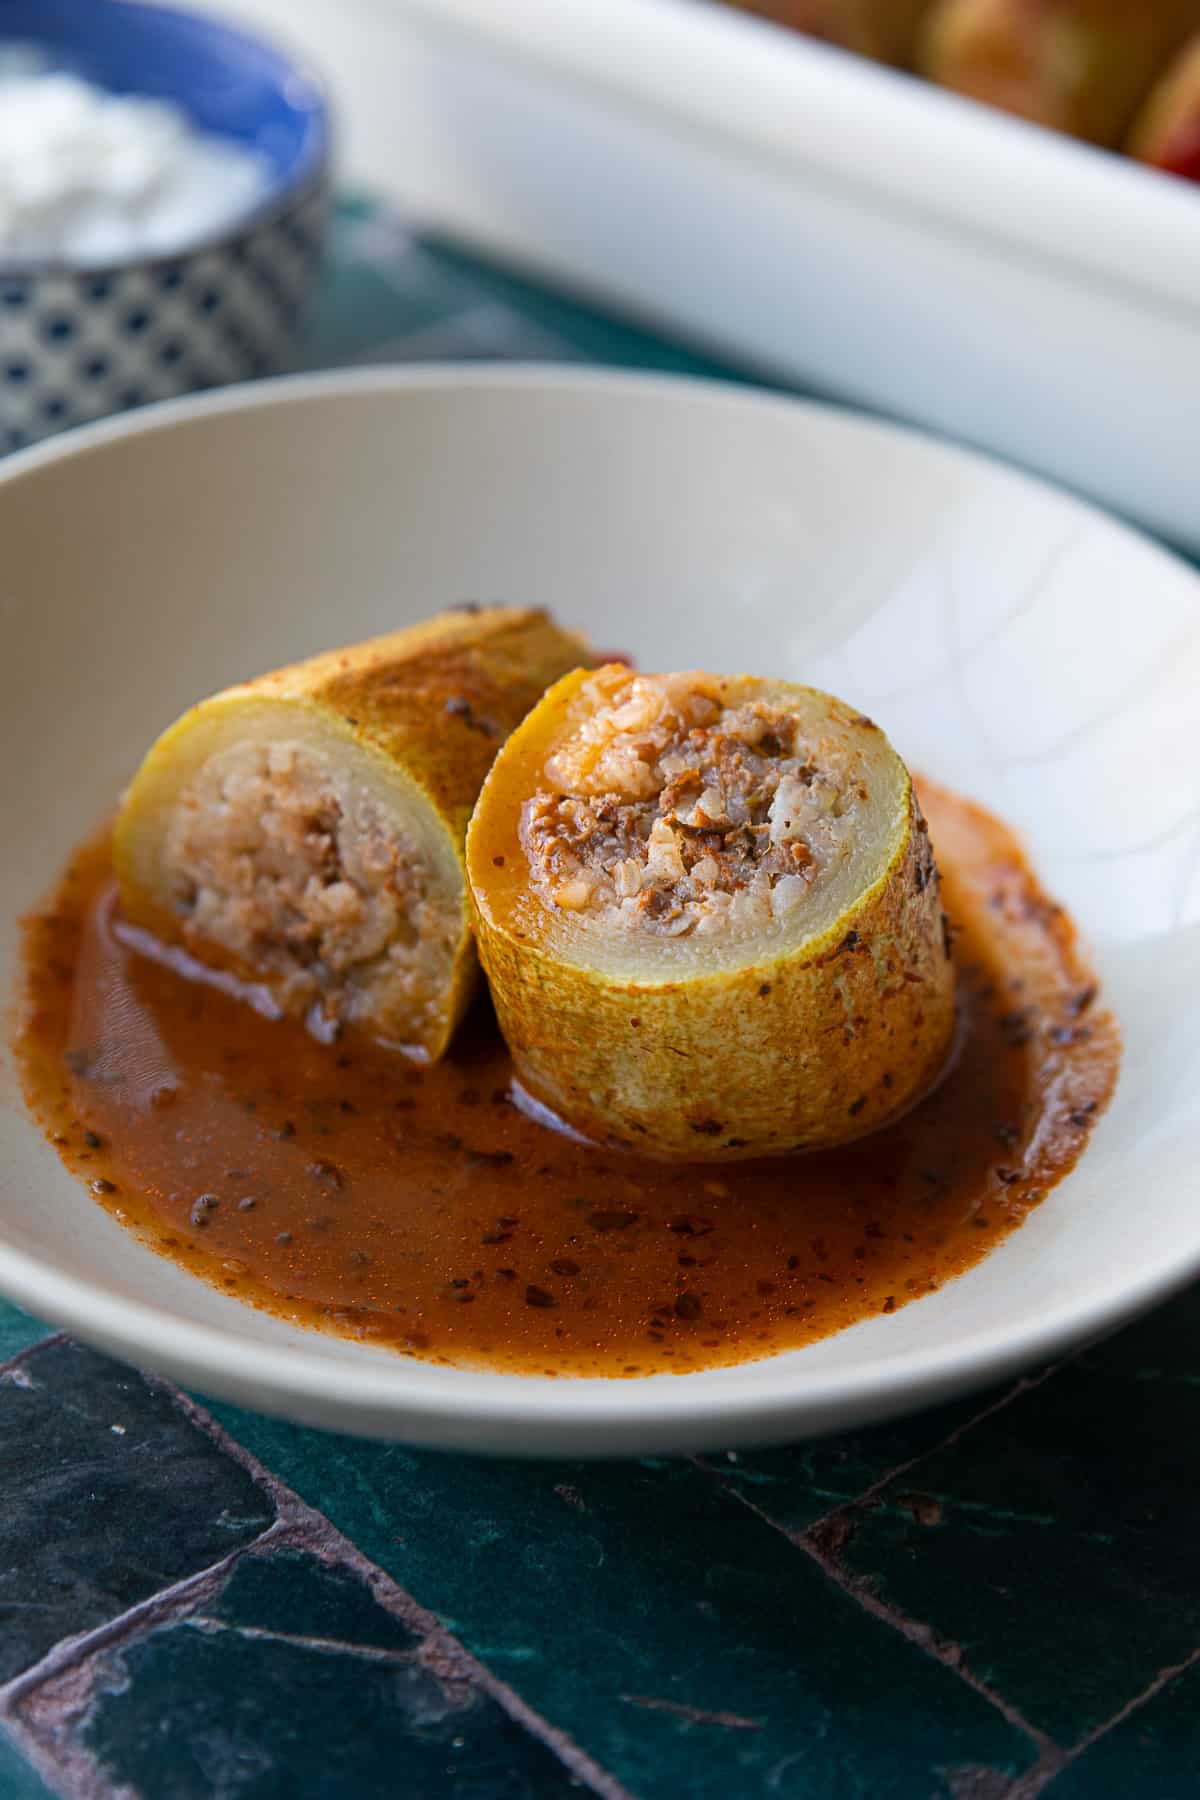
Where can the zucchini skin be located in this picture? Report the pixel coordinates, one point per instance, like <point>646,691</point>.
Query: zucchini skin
<point>797,1048</point>
<point>437,698</point>
<point>422,711</point>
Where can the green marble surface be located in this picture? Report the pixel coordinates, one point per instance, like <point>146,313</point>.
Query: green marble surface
<point>110,1496</point>
<point>293,1675</point>
<point>17,1330</point>
<point>676,1635</point>
<point>1044,1513</point>
<point>18,1779</point>
<point>991,1601</point>
<point>1153,1751</point>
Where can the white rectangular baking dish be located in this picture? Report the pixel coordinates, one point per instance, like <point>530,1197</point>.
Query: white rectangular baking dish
<point>817,217</point>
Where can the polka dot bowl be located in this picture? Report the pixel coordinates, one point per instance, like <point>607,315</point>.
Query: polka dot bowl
<point>76,344</point>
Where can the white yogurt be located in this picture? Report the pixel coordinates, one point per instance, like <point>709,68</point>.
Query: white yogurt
<point>88,177</point>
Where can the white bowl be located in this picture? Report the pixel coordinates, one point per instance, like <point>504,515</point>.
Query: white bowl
<point>1013,642</point>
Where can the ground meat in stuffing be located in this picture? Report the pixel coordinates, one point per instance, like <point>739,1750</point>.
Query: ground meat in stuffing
<point>297,874</point>
<point>672,810</point>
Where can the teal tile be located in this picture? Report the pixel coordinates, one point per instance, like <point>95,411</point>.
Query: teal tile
<point>18,1780</point>
<point>18,1330</point>
<point>1155,1751</point>
<point>110,1494</point>
<point>687,1646</point>
<point>378,285</point>
<point>223,1702</point>
<point>589,335</point>
<point>1160,1350</point>
<point>293,1594</point>
<point>798,1484</point>
<point>395,296</point>
<point>1056,1541</point>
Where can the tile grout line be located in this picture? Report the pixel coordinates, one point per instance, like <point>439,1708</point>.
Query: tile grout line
<point>298,1525</point>
<point>1035,1780</point>
<point>65,1776</point>
<point>1051,1757</point>
<point>263,1634</point>
<point>1025,1384</point>
<point>144,1614</point>
<point>949,1655</point>
<point>13,1363</point>
<point>442,1654</point>
<point>923,1636</point>
<point>1149,1692</point>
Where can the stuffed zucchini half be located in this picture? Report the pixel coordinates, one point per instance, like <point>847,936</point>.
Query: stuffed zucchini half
<point>306,829</point>
<point>708,911</point>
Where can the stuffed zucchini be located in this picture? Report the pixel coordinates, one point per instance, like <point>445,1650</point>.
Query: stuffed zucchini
<point>708,911</point>
<point>306,829</point>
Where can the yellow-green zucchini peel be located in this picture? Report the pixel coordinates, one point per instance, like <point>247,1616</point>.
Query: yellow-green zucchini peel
<point>708,1027</point>
<point>306,829</point>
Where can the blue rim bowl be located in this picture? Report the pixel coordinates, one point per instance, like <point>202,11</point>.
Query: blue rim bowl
<point>225,79</point>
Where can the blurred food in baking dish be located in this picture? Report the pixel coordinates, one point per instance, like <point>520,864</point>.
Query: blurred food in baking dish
<point>1124,74</point>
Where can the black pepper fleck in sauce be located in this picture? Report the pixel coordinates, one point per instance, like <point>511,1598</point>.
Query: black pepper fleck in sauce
<point>363,1195</point>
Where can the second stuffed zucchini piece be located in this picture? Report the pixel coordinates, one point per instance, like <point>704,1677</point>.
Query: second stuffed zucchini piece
<point>708,911</point>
